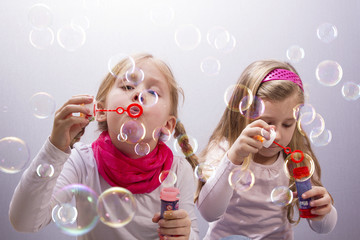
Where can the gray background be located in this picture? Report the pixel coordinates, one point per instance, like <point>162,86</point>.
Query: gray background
<point>262,28</point>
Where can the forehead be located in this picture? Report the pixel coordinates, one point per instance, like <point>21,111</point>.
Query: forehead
<point>151,70</point>
<point>280,110</point>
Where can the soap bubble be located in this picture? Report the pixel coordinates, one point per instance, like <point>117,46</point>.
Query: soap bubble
<point>281,196</point>
<point>148,98</point>
<point>167,178</point>
<point>253,109</point>
<point>316,127</point>
<point>81,21</point>
<point>180,145</point>
<point>45,170</point>
<point>134,75</point>
<point>204,171</point>
<point>14,155</point>
<point>142,149</point>
<point>71,37</point>
<point>350,91</point>
<point>329,73</point>
<point>114,60</point>
<point>75,212</point>
<point>217,37</point>
<point>295,53</point>
<point>42,105</point>
<point>162,134</point>
<point>132,131</point>
<point>40,16</point>
<point>291,162</point>
<point>327,32</point>
<point>41,39</point>
<point>241,180</point>
<point>210,66</point>
<point>116,207</point>
<point>322,139</point>
<point>232,97</point>
<point>187,37</point>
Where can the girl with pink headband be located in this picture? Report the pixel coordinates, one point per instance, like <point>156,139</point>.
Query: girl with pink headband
<point>235,143</point>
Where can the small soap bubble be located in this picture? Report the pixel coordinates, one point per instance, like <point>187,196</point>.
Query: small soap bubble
<point>181,145</point>
<point>41,38</point>
<point>218,37</point>
<point>252,110</point>
<point>204,171</point>
<point>316,126</point>
<point>167,178</point>
<point>45,170</point>
<point>162,134</point>
<point>71,37</point>
<point>304,112</point>
<point>329,73</point>
<point>134,75</point>
<point>115,64</point>
<point>187,37</point>
<point>322,139</point>
<point>148,98</point>
<point>350,91</point>
<point>241,180</point>
<point>14,155</point>
<point>295,53</point>
<point>116,207</point>
<point>210,66</point>
<point>75,212</point>
<point>42,105</point>
<point>233,95</point>
<point>132,131</point>
<point>292,161</point>
<point>40,16</point>
<point>281,196</point>
<point>327,32</point>
<point>226,47</point>
<point>142,149</point>
<point>162,15</point>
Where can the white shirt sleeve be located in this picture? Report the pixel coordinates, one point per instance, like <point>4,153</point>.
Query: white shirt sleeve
<point>215,195</point>
<point>31,204</point>
<point>327,224</point>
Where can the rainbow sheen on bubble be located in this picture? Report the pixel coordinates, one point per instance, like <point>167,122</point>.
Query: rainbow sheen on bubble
<point>281,196</point>
<point>81,21</point>
<point>327,32</point>
<point>295,53</point>
<point>41,38</point>
<point>322,139</point>
<point>142,149</point>
<point>40,16</point>
<point>45,170</point>
<point>350,91</point>
<point>204,171</point>
<point>187,37</point>
<point>182,142</point>
<point>148,98</point>
<point>210,66</point>
<point>75,212</point>
<point>162,134</point>
<point>116,207</point>
<point>297,159</point>
<point>14,155</point>
<point>167,178</point>
<point>132,131</point>
<point>305,112</point>
<point>241,180</point>
<point>42,105</point>
<point>329,73</point>
<point>234,94</point>
<point>71,37</point>
<point>316,127</point>
<point>251,107</point>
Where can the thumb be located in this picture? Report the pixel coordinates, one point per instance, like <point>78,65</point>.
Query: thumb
<point>156,217</point>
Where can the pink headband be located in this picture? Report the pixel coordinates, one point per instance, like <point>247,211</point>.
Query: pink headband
<point>283,74</point>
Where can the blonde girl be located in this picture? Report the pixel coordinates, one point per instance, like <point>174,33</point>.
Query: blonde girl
<point>234,143</point>
<point>113,162</point>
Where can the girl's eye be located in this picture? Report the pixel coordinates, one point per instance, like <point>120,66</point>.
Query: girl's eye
<point>127,87</point>
<point>152,92</point>
<point>287,125</point>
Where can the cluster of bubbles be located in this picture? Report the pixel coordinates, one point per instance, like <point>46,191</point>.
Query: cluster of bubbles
<point>70,37</point>
<point>78,208</point>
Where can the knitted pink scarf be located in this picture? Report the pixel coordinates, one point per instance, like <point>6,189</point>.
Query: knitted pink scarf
<point>137,175</point>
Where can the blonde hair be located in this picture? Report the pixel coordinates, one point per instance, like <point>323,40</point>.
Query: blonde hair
<point>232,122</point>
<point>119,70</point>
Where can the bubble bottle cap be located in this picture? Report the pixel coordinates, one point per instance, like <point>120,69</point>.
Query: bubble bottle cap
<point>91,107</point>
<point>169,194</point>
<point>268,143</point>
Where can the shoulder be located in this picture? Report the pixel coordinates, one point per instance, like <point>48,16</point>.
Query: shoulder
<point>215,151</point>
<point>82,154</point>
<point>181,166</point>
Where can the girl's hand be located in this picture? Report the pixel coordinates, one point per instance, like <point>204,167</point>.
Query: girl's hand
<point>248,141</point>
<point>321,202</point>
<point>176,224</point>
<point>66,126</point>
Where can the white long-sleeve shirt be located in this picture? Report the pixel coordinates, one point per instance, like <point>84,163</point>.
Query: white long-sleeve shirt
<point>33,199</point>
<point>250,213</point>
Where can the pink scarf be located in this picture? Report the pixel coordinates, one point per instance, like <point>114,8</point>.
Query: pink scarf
<point>137,175</point>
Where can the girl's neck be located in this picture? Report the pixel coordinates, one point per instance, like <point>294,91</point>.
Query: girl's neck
<point>265,160</point>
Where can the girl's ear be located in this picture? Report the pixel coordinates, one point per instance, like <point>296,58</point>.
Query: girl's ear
<point>100,116</point>
<point>171,123</point>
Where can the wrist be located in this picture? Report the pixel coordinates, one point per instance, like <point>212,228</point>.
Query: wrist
<point>234,158</point>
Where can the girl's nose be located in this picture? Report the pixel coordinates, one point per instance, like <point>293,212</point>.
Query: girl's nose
<point>135,97</point>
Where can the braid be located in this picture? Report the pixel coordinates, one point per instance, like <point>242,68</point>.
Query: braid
<point>183,141</point>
